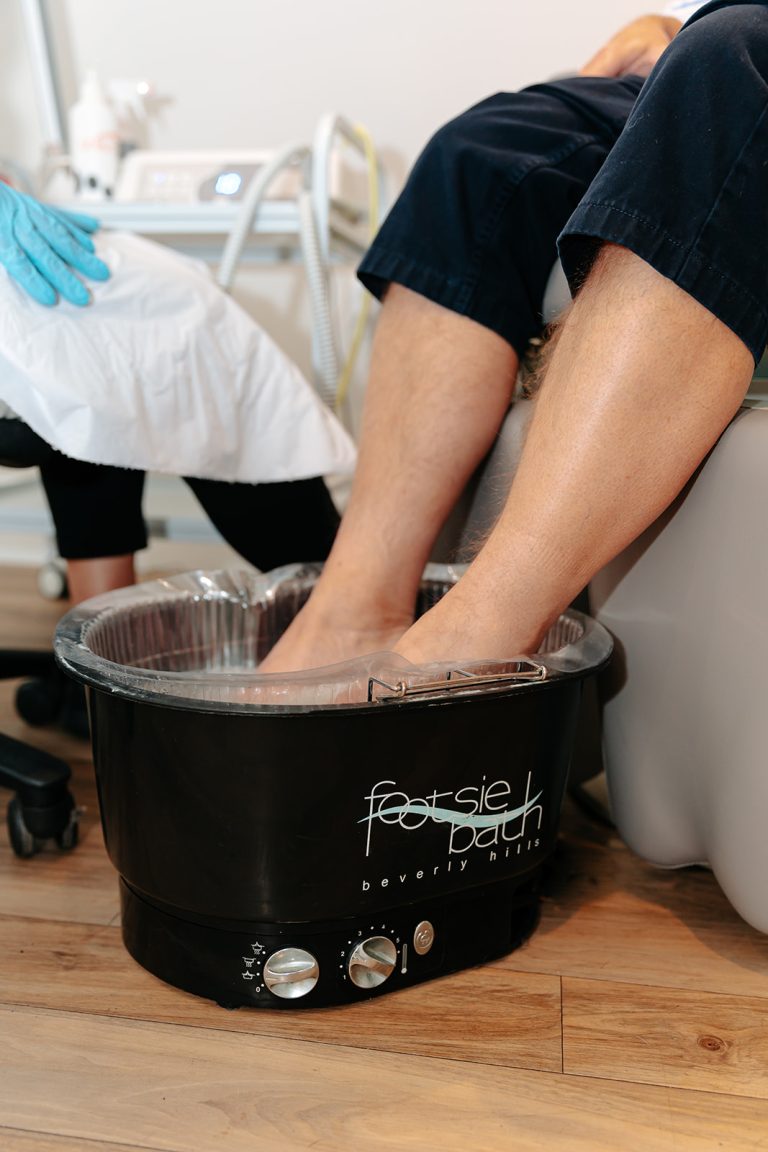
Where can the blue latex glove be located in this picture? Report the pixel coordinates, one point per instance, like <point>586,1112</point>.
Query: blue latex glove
<point>39,245</point>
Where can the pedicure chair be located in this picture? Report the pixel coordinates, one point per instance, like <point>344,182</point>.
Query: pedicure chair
<point>683,731</point>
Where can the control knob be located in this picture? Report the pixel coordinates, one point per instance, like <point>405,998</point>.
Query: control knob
<point>372,961</point>
<point>291,972</point>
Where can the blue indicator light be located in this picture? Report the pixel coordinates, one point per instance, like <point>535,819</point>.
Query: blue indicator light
<point>228,183</point>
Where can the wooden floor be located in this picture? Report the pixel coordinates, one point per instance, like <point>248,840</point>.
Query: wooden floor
<point>636,1017</point>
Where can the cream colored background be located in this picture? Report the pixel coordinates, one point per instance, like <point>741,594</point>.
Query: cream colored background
<point>260,72</point>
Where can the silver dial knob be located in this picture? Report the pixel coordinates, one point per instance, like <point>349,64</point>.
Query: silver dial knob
<point>291,973</point>
<point>372,961</point>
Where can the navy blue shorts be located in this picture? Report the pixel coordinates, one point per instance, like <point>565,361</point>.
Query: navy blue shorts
<point>674,168</point>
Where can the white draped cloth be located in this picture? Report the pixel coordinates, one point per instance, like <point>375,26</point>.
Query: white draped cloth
<point>163,372</point>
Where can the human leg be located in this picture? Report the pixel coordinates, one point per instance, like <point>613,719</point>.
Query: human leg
<point>86,578</point>
<point>424,432</point>
<point>97,515</point>
<point>463,258</point>
<point>684,186</point>
<point>607,451</point>
<point>657,352</point>
<point>621,422</point>
<point>271,524</point>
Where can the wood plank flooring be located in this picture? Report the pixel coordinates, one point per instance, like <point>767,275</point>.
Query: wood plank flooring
<point>636,1018</point>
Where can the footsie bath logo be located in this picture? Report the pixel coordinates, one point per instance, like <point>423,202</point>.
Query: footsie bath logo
<point>485,816</point>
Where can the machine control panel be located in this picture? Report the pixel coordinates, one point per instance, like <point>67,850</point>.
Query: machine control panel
<point>291,972</point>
<point>289,965</point>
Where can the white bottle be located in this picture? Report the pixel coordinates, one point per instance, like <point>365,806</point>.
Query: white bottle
<point>94,143</point>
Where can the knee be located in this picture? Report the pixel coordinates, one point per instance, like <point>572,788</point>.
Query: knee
<point>444,149</point>
<point>729,41</point>
<point>463,141</point>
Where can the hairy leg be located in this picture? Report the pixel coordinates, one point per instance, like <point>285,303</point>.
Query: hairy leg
<point>641,383</point>
<point>439,387</point>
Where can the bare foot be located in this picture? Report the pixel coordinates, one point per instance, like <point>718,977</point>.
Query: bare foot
<point>461,627</point>
<point>316,638</point>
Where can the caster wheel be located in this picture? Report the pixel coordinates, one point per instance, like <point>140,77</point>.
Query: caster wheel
<point>52,581</point>
<point>38,701</point>
<point>23,842</point>
<point>68,838</point>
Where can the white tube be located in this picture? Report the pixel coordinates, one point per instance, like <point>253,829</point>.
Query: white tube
<point>244,221</point>
<point>328,127</point>
<point>324,351</point>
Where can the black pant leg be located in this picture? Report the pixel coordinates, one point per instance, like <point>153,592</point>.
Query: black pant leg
<point>96,508</point>
<point>271,524</point>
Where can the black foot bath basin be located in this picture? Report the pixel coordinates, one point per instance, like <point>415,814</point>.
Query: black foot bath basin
<point>317,839</point>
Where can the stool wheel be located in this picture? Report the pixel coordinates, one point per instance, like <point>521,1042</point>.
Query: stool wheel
<point>67,839</point>
<point>52,580</point>
<point>23,842</point>
<point>38,701</point>
<point>26,843</point>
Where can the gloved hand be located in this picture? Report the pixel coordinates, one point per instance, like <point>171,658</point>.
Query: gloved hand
<point>37,243</point>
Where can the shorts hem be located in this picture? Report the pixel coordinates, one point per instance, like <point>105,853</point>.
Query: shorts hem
<point>92,550</point>
<point>492,309</point>
<point>731,302</point>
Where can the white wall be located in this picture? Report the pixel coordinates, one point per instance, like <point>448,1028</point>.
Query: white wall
<point>259,72</point>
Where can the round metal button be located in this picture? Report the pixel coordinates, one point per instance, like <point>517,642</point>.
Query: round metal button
<point>291,973</point>
<point>423,937</point>
<point>372,961</point>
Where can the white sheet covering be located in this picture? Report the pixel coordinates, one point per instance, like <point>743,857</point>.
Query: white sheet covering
<point>163,372</point>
